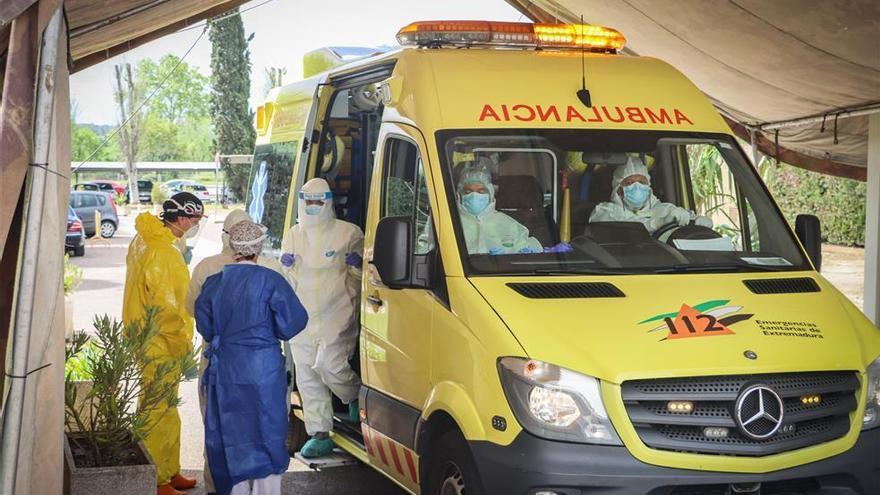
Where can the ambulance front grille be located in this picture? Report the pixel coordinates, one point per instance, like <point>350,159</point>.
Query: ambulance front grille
<point>713,401</point>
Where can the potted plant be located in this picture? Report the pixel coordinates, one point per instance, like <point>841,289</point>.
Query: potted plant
<point>72,278</point>
<point>121,205</point>
<point>108,405</point>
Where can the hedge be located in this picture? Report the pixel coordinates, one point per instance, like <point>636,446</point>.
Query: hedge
<point>839,203</point>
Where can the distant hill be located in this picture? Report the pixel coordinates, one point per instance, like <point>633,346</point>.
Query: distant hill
<point>100,129</point>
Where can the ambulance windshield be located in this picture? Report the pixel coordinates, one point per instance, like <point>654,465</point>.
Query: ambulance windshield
<point>591,201</point>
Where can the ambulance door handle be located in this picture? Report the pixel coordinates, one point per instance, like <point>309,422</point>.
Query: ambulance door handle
<point>375,300</point>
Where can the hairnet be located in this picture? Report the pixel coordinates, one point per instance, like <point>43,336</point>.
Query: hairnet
<point>476,172</point>
<point>232,218</point>
<point>633,166</point>
<point>246,238</point>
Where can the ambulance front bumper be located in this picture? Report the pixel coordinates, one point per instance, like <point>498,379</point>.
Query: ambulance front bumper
<point>532,466</point>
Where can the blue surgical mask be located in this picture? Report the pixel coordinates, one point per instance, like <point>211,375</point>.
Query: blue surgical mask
<point>475,202</point>
<point>313,209</point>
<point>636,195</point>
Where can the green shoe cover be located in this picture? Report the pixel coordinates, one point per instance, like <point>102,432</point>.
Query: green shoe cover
<point>317,447</point>
<point>354,412</point>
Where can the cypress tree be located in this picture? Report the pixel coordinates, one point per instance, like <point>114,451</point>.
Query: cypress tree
<point>234,132</point>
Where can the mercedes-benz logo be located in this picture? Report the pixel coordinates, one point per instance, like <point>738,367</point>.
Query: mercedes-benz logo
<point>759,412</point>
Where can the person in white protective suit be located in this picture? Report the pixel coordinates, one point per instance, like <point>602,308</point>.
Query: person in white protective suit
<point>322,258</point>
<point>487,230</point>
<point>633,200</point>
<point>204,269</point>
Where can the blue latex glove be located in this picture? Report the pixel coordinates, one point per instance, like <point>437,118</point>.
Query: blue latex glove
<point>188,254</point>
<point>495,251</point>
<point>529,250</point>
<point>287,259</point>
<point>354,259</point>
<point>562,247</point>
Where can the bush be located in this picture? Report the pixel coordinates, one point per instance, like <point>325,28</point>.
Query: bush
<point>159,194</point>
<point>839,203</point>
<point>72,276</point>
<point>115,411</point>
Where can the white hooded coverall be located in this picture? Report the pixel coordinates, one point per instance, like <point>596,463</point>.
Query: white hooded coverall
<point>329,289</point>
<point>653,215</point>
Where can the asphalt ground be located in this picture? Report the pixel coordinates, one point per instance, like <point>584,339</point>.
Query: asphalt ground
<point>101,292</point>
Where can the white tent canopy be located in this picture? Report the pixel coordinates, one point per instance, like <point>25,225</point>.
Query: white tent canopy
<point>768,65</point>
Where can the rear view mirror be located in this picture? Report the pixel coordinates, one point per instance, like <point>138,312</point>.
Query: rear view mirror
<point>391,252</point>
<point>809,232</point>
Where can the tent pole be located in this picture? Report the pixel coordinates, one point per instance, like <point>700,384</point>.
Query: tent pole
<point>756,155</point>
<point>872,223</point>
<point>24,306</point>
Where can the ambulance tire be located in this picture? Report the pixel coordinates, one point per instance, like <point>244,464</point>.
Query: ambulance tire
<point>451,467</point>
<point>297,436</point>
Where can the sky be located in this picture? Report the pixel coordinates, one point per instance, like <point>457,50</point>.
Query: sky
<point>284,30</point>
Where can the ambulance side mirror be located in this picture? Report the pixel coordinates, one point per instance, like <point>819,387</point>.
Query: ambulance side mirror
<point>392,252</point>
<point>809,232</point>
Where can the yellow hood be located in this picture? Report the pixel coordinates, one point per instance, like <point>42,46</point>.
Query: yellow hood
<point>153,230</point>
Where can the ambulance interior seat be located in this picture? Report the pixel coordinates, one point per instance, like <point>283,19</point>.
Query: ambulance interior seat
<point>588,190</point>
<point>521,197</point>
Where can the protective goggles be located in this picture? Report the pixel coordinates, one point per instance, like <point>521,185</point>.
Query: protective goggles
<point>316,196</point>
<point>188,208</point>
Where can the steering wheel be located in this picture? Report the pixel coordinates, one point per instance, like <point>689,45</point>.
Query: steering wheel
<point>669,226</point>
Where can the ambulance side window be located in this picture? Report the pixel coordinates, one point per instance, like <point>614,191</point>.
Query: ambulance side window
<point>406,191</point>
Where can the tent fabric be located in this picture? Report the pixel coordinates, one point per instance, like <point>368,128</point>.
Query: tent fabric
<point>100,29</point>
<point>760,62</point>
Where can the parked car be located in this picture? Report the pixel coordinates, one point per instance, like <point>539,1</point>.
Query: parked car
<point>75,241</point>
<point>99,185</point>
<point>116,187</point>
<point>145,192</point>
<point>85,203</point>
<point>199,190</point>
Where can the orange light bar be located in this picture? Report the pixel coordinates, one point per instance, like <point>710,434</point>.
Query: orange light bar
<point>511,34</point>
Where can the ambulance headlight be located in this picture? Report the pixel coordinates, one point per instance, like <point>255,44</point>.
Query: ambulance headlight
<point>556,403</point>
<point>871,419</point>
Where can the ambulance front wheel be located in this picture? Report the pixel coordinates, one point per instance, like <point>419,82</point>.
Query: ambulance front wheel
<point>451,468</point>
<point>296,434</point>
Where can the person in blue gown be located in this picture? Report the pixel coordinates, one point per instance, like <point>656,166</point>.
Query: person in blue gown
<point>245,312</point>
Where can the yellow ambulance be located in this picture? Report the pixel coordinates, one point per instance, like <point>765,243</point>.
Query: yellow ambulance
<point>574,280</point>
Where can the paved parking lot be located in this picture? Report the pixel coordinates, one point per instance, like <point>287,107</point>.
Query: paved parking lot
<point>101,292</point>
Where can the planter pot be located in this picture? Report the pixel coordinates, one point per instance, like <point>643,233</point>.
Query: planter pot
<point>138,478</point>
<point>68,317</point>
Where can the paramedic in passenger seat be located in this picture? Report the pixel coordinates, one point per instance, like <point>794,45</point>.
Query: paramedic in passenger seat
<point>633,200</point>
<point>486,230</point>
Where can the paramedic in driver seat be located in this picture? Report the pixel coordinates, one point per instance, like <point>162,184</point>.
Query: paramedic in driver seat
<point>633,200</point>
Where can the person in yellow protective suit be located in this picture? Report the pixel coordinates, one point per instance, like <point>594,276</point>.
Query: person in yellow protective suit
<point>156,275</point>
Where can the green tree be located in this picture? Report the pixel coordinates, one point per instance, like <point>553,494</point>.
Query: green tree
<point>230,88</point>
<point>182,97</point>
<point>839,203</point>
<point>160,141</point>
<point>84,141</point>
<point>129,95</point>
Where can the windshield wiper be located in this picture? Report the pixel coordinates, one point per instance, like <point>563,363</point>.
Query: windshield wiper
<point>592,271</point>
<point>717,267</point>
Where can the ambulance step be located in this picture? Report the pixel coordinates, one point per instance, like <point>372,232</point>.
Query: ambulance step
<point>339,458</point>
